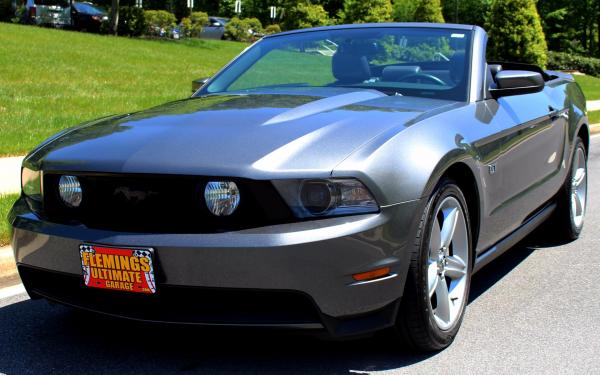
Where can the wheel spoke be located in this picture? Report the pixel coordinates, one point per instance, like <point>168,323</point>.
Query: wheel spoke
<point>578,177</point>
<point>442,310</point>
<point>432,277</point>
<point>448,226</point>
<point>455,267</point>
<point>578,200</point>
<point>435,242</point>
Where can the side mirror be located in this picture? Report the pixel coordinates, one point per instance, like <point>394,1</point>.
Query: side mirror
<point>198,83</point>
<point>517,82</point>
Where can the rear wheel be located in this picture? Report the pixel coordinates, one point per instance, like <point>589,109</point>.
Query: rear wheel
<point>437,286</point>
<point>572,199</point>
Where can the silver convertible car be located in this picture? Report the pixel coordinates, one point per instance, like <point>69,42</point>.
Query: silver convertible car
<point>343,179</point>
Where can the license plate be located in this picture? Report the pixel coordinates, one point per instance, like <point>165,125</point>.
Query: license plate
<point>115,268</point>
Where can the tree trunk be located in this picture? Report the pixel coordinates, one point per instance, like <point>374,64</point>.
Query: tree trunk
<point>114,17</point>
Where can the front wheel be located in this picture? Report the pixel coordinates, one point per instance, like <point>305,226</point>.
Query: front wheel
<point>439,276</point>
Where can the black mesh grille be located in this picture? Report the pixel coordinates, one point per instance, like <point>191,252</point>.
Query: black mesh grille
<point>161,204</point>
<point>178,304</point>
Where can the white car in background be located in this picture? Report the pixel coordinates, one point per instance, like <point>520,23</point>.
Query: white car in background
<point>55,13</point>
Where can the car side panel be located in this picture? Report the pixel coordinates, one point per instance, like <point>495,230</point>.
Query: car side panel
<point>408,164</point>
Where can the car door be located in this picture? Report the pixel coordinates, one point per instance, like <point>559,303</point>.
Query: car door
<point>532,152</point>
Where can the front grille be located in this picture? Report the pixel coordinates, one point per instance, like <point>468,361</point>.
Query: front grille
<point>177,304</point>
<point>161,204</point>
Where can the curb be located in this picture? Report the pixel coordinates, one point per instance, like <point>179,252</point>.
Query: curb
<point>8,267</point>
<point>10,174</point>
<point>594,128</point>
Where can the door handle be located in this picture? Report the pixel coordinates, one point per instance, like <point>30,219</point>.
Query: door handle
<point>553,112</point>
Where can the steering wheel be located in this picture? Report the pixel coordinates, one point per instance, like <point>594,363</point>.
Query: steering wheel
<point>417,76</point>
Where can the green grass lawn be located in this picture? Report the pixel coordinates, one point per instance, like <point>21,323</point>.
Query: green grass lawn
<point>53,79</point>
<point>594,117</point>
<point>590,86</point>
<point>6,202</point>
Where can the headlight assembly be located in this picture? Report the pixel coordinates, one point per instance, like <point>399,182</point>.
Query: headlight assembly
<point>326,197</point>
<point>31,183</point>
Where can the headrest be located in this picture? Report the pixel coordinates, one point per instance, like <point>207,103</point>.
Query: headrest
<point>350,67</point>
<point>457,66</point>
<point>396,73</point>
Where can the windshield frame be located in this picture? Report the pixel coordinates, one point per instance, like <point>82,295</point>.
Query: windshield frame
<point>467,91</point>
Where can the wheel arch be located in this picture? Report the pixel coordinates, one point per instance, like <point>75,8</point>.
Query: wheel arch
<point>464,173</point>
<point>464,177</point>
<point>584,134</point>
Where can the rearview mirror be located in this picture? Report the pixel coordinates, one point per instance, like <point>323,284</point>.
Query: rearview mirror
<point>198,83</point>
<point>517,82</point>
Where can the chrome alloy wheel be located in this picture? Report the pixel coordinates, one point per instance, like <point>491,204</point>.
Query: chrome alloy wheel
<point>447,270</point>
<point>578,187</point>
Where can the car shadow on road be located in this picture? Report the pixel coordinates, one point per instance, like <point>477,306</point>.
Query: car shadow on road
<point>38,337</point>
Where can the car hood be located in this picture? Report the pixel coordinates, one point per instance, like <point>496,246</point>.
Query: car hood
<point>257,135</point>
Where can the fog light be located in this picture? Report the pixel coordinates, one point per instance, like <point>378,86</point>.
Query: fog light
<point>70,191</point>
<point>222,197</point>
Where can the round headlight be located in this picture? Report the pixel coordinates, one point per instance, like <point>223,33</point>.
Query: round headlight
<point>222,197</point>
<point>69,190</point>
<point>317,196</point>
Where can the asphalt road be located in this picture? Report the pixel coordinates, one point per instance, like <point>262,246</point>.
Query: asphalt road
<point>534,310</point>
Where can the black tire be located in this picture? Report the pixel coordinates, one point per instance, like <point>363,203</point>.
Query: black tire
<point>562,221</point>
<point>415,324</point>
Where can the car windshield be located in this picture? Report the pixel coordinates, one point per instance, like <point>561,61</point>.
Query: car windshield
<point>88,9</point>
<point>410,61</point>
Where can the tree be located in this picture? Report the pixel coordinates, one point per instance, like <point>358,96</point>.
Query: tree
<point>470,12</point>
<point>515,32</point>
<point>359,11</point>
<point>429,11</point>
<point>404,10</point>
<point>305,15</point>
<point>114,17</point>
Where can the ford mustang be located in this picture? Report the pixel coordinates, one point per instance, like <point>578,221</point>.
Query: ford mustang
<point>342,179</point>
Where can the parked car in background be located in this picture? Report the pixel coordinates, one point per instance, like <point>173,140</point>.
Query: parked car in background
<point>215,28</point>
<point>87,16</point>
<point>54,13</point>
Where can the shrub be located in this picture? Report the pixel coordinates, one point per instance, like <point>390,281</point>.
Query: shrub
<point>359,11</point>
<point>198,20</point>
<point>186,27</point>
<point>243,30</point>
<point>429,11</point>
<point>131,21</point>
<point>305,15</point>
<point>567,61</point>
<point>159,22</point>
<point>272,29</point>
<point>515,32</point>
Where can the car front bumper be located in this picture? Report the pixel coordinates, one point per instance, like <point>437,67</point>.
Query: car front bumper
<point>293,275</point>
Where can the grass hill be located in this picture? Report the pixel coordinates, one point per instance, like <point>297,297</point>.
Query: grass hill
<point>53,79</point>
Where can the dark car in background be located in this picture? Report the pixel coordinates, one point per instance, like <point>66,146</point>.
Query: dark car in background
<point>215,28</point>
<point>87,16</point>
